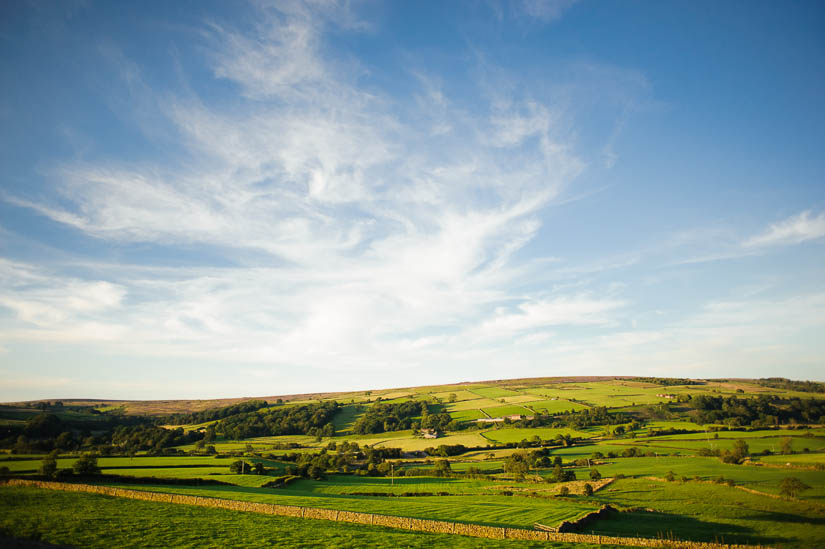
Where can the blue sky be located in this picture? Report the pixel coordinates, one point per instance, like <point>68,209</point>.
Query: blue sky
<point>202,199</point>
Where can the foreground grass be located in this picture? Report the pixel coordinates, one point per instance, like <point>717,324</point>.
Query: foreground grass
<point>707,512</point>
<point>90,520</point>
<point>507,511</point>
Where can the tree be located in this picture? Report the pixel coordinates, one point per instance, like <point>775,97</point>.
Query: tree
<point>65,440</point>
<point>442,467</point>
<point>791,486</point>
<point>86,465</point>
<point>452,397</point>
<point>595,474</point>
<point>564,490</point>
<point>588,489</point>
<point>240,467</point>
<point>48,467</point>
<point>739,453</point>
<point>786,445</point>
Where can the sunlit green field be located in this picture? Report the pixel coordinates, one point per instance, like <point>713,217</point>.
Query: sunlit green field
<point>553,406</point>
<point>494,392</point>
<point>507,410</point>
<point>507,435</point>
<point>90,520</point>
<point>695,506</point>
<point>494,510</point>
<point>706,512</point>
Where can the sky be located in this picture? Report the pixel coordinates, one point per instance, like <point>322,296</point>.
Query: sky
<point>212,199</point>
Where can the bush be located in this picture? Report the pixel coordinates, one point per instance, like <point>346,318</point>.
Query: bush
<point>240,467</point>
<point>86,465</point>
<point>791,486</point>
<point>564,491</point>
<point>670,476</point>
<point>63,475</point>
<point>48,467</point>
<point>595,474</point>
<point>588,489</point>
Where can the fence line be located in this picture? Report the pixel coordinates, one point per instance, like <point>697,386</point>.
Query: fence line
<point>405,523</point>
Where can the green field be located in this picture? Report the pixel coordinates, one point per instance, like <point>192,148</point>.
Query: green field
<point>707,499</point>
<point>90,520</point>
<point>706,512</point>
<point>467,415</point>
<point>473,404</point>
<point>553,406</point>
<point>502,411</point>
<point>494,392</point>
<point>344,419</point>
<point>506,435</point>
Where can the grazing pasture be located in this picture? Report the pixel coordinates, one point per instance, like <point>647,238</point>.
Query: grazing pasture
<point>708,512</point>
<point>498,475</point>
<point>62,518</point>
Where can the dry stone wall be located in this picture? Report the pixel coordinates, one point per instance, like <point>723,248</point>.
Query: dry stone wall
<point>406,523</point>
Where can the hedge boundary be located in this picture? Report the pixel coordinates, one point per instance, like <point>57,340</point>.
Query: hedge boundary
<point>405,523</point>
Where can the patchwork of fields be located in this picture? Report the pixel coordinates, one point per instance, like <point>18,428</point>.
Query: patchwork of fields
<point>705,499</point>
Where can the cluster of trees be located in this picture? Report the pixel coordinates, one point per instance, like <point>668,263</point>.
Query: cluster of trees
<point>309,419</point>
<point>120,434</point>
<point>447,450</point>
<point>587,417</point>
<point>148,437</point>
<point>241,467</point>
<point>519,464</point>
<point>383,417</point>
<point>85,465</point>
<point>791,385</point>
<point>764,410</point>
<point>215,413</point>
<point>342,458</point>
<point>669,381</point>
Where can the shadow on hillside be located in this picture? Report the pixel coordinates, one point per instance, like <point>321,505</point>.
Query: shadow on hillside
<point>787,518</point>
<point>647,524</point>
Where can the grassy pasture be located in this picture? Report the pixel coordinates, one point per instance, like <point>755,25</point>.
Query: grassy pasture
<point>553,406</point>
<point>795,459</point>
<point>494,392</point>
<point>755,445</point>
<point>520,399</point>
<point>798,435</point>
<point>508,435</point>
<point>346,417</point>
<point>459,395</point>
<point>475,404</point>
<point>705,512</point>
<point>494,510</point>
<point>764,479</point>
<point>507,410</point>
<point>62,518</point>
<point>675,424</point>
<point>414,444</point>
<point>467,415</point>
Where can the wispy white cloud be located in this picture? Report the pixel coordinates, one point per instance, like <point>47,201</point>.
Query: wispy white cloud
<point>376,233</point>
<point>577,310</point>
<point>795,229</point>
<point>545,10</point>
